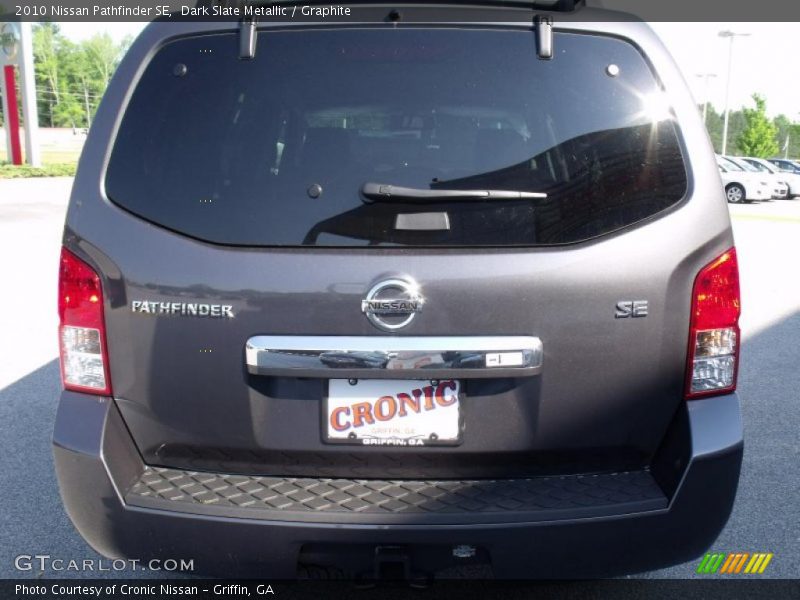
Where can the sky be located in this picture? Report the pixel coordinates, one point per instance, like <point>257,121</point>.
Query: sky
<point>763,62</point>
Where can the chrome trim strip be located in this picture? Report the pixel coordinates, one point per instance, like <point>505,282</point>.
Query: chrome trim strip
<point>381,357</point>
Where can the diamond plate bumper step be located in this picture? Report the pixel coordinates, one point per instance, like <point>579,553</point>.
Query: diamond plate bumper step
<point>404,502</point>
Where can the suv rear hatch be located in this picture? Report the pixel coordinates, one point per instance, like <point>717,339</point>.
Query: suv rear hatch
<point>561,316</point>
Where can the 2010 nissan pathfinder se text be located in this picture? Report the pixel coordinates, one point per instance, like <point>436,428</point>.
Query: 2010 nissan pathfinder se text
<point>402,293</point>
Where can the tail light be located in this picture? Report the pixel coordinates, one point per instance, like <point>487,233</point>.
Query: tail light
<point>81,332</point>
<point>714,336</point>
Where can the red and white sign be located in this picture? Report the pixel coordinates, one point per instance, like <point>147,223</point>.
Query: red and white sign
<point>16,53</point>
<point>393,412</point>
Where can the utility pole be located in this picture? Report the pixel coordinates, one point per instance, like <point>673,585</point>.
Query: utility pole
<point>86,104</point>
<point>730,35</point>
<point>705,76</point>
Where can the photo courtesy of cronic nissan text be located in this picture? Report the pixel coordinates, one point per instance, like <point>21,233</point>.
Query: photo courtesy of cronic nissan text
<point>489,299</point>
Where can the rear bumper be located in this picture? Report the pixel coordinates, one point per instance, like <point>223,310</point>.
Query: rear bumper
<point>695,475</point>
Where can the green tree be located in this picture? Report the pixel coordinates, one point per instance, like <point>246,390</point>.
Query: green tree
<point>715,123</point>
<point>713,126</point>
<point>737,123</point>
<point>72,77</point>
<point>54,62</point>
<point>759,137</point>
<point>101,56</point>
<point>45,41</point>
<point>788,131</point>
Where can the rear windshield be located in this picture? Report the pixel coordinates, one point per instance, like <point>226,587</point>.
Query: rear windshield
<point>277,151</point>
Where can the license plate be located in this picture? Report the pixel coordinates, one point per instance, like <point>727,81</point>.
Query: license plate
<point>377,412</point>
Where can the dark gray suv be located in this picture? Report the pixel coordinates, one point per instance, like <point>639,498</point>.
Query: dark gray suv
<point>452,285</point>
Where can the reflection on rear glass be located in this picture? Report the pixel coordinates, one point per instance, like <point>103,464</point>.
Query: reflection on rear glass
<point>274,151</point>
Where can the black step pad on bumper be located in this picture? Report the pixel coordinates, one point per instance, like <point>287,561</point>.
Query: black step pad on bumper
<point>397,501</point>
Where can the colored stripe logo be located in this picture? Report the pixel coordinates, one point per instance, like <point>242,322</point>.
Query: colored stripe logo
<point>735,563</point>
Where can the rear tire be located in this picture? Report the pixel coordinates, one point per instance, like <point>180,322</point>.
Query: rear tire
<point>735,193</point>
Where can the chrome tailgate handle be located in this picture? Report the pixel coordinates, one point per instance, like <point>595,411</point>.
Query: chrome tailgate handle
<point>337,357</point>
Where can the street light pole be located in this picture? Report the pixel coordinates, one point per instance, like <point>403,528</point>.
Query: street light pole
<point>705,76</point>
<point>730,35</point>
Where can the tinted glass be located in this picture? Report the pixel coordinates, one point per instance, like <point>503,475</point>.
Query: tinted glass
<point>274,151</point>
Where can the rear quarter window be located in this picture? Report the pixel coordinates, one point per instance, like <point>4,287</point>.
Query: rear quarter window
<point>275,151</point>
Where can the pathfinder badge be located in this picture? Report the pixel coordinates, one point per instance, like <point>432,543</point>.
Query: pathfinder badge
<point>182,308</point>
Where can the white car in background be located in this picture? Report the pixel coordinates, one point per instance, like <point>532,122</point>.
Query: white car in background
<point>791,179</point>
<point>784,164</point>
<point>780,189</point>
<point>741,185</point>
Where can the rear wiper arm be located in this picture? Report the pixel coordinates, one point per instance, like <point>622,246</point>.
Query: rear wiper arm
<point>382,192</point>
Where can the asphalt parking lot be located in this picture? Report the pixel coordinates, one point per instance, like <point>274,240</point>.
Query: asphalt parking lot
<point>766,517</point>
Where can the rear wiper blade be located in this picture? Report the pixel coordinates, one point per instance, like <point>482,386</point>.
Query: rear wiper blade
<point>382,192</point>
